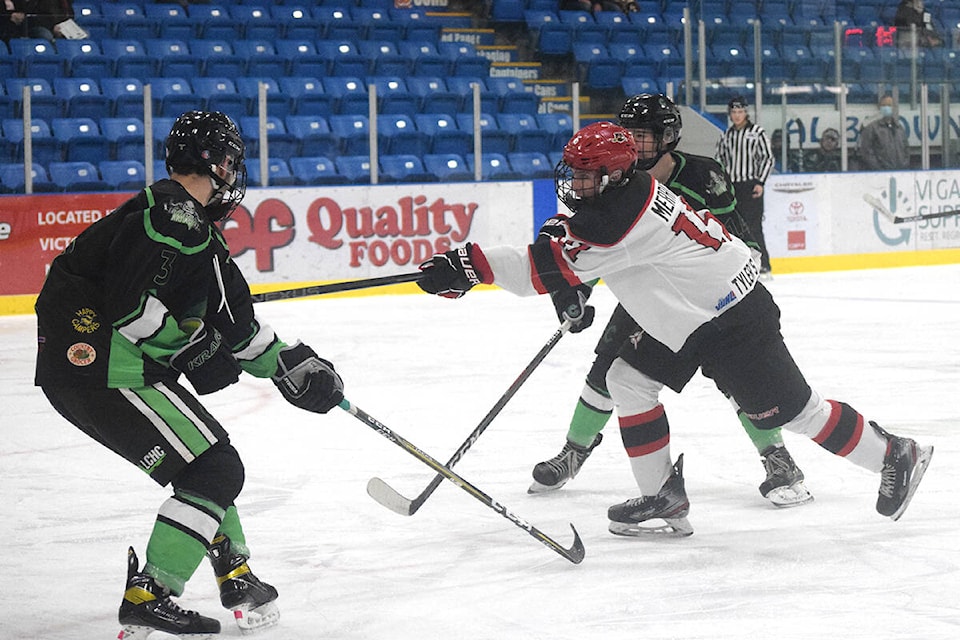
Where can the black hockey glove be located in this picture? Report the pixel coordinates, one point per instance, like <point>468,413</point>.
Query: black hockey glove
<point>453,273</point>
<point>571,304</point>
<point>306,380</point>
<point>555,227</point>
<point>206,361</point>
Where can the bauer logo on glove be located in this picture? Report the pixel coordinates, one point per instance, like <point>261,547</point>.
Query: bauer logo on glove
<point>452,273</point>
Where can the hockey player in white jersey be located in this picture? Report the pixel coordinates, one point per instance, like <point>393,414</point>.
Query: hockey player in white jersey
<point>692,286</point>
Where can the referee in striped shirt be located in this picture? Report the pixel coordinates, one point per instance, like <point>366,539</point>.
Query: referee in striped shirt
<point>744,151</point>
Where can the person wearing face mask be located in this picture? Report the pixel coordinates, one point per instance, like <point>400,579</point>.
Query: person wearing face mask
<point>883,142</point>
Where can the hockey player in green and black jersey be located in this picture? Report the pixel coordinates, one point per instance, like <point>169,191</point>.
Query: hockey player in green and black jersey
<point>141,296</point>
<point>656,125</point>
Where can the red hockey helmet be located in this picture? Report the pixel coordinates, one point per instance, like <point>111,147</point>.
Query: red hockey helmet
<point>601,155</point>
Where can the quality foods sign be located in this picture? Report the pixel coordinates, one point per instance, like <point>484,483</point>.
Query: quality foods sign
<point>294,235</point>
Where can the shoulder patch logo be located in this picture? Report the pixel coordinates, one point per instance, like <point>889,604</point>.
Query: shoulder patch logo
<point>717,184</point>
<point>185,213</point>
<point>81,354</point>
<point>85,320</point>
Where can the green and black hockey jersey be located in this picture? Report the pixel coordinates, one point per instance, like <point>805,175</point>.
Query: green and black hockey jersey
<point>130,290</point>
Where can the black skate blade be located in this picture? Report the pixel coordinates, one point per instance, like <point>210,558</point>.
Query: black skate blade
<point>671,528</point>
<point>924,454</point>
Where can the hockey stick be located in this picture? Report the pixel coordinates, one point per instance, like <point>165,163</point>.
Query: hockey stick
<point>574,554</point>
<point>391,499</point>
<point>320,289</point>
<point>877,204</point>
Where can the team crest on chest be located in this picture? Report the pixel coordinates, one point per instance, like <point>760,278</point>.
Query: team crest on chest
<point>185,213</point>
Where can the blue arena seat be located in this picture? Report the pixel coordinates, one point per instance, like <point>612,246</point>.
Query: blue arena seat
<point>44,104</point>
<point>175,57</point>
<point>76,176</point>
<point>393,97</point>
<point>307,96</point>
<point>433,95</point>
<point>130,58</point>
<point>493,138</point>
<point>38,58</point>
<point>397,134</point>
<point>124,175</point>
<point>444,134</point>
<point>173,96</point>
<point>525,132</point>
<point>314,134</point>
<point>314,170</point>
<point>126,136</point>
<point>80,139</point>
<point>214,22</point>
<point>126,95</point>
<point>256,21</point>
<point>354,169</point>
<point>425,59</point>
<point>13,178</point>
<point>403,168</point>
<point>350,94</point>
<point>171,19</point>
<point>447,167</point>
<point>302,58</point>
<point>278,103</point>
<point>220,94</point>
<point>281,144</point>
<point>85,59</point>
<point>352,132</point>
<point>530,165</point>
<point>262,58</point>
<point>297,21</point>
<point>278,171</point>
<point>494,166</point>
<point>560,126</point>
<point>383,58</point>
<point>219,59</point>
<point>82,97</point>
<point>344,56</point>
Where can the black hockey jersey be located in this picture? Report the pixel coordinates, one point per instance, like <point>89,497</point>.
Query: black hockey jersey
<point>130,289</point>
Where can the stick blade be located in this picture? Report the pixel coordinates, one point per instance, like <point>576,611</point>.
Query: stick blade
<point>576,552</point>
<point>389,497</point>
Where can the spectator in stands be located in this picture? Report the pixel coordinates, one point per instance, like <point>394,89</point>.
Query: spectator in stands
<point>883,142</point>
<point>826,157</point>
<point>911,13</point>
<point>34,18</point>
<point>624,6</point>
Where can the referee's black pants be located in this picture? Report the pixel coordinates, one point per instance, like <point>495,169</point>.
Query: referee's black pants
<point>751,209</point>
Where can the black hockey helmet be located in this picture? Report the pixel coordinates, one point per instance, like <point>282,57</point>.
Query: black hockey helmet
<point>657,113</point>
<point>208,143</point>
<point>602,151</point>
<point>737,102</point>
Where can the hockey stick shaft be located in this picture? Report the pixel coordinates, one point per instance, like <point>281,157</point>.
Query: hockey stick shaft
<point>878,205</point>
<point>390,498</point>
<point>321,289</point>
<point>574,554</point>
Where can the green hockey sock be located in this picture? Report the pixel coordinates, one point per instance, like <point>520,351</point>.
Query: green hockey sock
<point>231,528</point>
<point>184,527</point>
<point>586,424</point>
<point>762,438</point>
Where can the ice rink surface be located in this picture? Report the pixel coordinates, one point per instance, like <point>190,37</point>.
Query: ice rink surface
<point>884,341</point>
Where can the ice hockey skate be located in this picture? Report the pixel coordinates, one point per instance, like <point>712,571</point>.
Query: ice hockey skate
<point>903,468</point>
<point>252,601</point>
<point>147,607</point>
<point>784,484</point>
<point>552,474</point>
<point>670,505</point>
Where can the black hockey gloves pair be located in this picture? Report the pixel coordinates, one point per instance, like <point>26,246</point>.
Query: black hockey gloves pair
<point>306,380</point>
<point>207,361</point>
<point>452,273</point>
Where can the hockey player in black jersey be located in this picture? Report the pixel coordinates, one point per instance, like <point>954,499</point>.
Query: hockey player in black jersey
<point>142,296</point>
<point>656,125</point>
<point>694,287</point>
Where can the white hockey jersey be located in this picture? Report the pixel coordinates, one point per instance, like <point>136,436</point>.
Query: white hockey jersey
<point>672,268</point>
